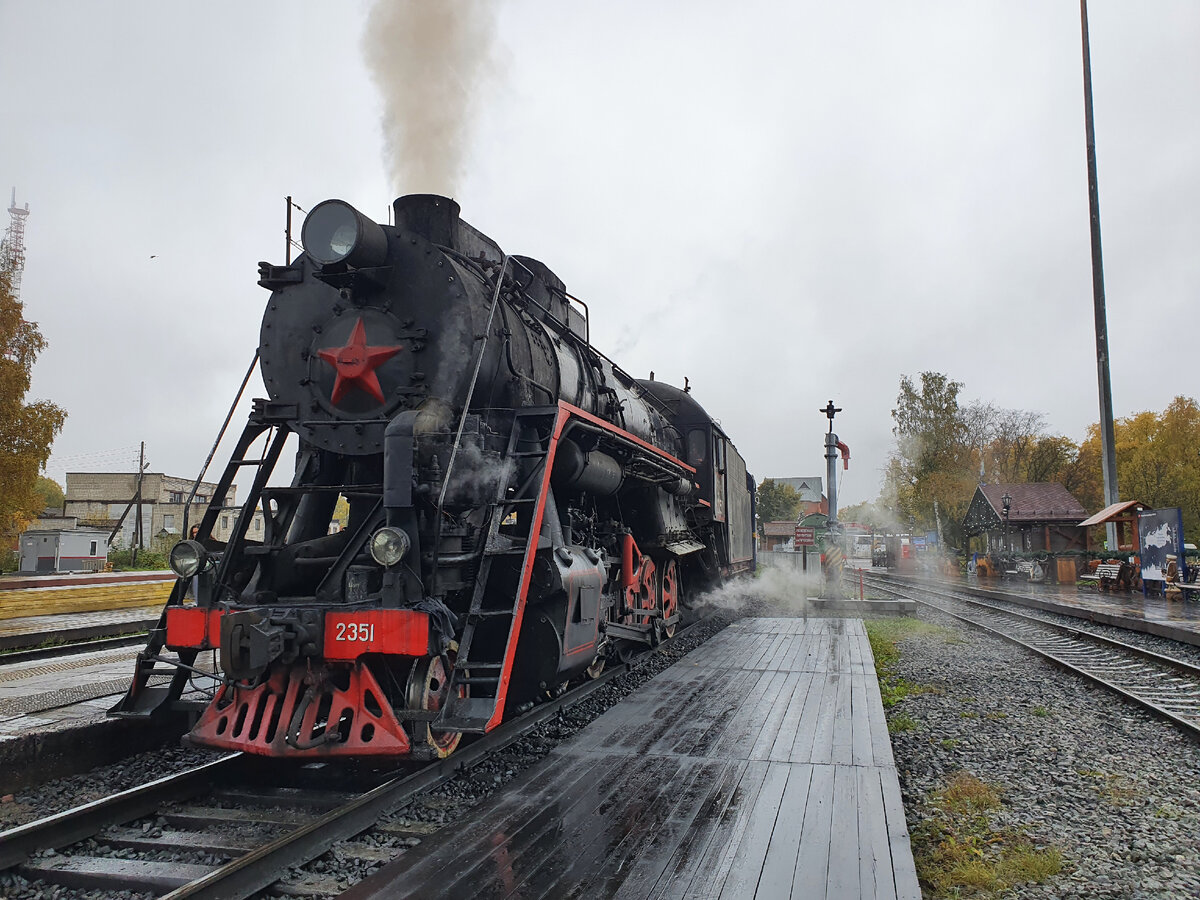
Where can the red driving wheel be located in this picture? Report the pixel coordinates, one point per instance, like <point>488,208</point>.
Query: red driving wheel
<point>669,594</point>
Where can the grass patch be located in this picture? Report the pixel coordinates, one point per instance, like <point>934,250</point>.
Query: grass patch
<point>949,743</point>
<point>901,722</point>
<point>884,634</point>
<point>968,715</point>
<point>959,854</point>
<point>1119,790</point>
<point>1040,711</point>
<point>893,689</point>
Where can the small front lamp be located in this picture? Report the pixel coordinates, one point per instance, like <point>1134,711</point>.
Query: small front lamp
<point>188,558</point>
<point>389,545</point>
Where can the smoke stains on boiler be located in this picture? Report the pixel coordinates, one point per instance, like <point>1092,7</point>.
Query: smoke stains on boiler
<point>429,59</point>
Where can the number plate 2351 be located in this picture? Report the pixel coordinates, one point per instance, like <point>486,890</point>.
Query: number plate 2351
<point>354,631</point>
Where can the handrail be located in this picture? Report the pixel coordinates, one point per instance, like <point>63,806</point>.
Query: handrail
<point>187,507</point>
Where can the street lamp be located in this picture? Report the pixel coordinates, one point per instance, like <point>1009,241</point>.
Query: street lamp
<point>1006,503</point>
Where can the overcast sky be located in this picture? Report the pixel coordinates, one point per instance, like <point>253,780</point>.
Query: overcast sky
<point>785,203</point>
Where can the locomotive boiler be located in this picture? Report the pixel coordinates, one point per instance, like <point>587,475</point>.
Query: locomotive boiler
<point>520,509</point>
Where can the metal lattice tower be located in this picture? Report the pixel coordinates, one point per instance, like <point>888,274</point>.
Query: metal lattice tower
<point>12,249</point>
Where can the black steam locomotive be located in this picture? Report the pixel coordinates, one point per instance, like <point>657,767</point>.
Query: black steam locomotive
<point>520,509</point>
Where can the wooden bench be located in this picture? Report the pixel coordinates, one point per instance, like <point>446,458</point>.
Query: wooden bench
<point>1190,591</point>
<point>1105,575</point>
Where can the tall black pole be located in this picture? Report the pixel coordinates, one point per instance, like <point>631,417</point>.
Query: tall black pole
<point>137,523</point>
<point>1108,458</point>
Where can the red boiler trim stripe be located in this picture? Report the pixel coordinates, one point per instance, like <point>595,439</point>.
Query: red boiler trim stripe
<point>609,426</point>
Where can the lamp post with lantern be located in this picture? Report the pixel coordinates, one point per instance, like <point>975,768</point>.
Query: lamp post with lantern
<point>1006,504</point>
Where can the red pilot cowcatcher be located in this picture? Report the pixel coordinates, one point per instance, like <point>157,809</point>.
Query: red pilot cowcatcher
<point>356,364</point>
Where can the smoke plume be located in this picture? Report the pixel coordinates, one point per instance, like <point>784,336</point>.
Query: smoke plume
<point>429,59</point>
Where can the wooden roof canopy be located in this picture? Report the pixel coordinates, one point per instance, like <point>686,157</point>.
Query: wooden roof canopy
<point>1042,503</point>
<point>1113,512</point>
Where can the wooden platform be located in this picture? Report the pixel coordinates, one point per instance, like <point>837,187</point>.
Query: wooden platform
<point>52,595</point>
<point>757,766</point>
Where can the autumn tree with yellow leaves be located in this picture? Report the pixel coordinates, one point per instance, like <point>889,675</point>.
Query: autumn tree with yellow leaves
<point>26,429</point>
<point>1158,461</point>
<point>945,448</point>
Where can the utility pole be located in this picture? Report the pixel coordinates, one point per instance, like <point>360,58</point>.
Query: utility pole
<point>137,522</point>
<point>1108,456</point>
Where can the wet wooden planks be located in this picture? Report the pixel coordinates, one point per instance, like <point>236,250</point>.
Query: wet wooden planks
<point>757,766</point>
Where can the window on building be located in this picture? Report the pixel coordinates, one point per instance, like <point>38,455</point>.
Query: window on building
<point>224,523</point>
<point>93,550</point>
<point>169,522</point>
<point>258,524</point>
<point>175,496</point>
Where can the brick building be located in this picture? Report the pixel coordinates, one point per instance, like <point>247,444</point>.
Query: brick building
<point>98,499</point>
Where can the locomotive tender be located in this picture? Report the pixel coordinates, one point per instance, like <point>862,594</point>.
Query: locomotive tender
<point>520,509</point>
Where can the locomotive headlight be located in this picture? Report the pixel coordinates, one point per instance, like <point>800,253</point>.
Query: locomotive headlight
<point>389,545</point>
<point>187,558</point>
<point>336,232</point>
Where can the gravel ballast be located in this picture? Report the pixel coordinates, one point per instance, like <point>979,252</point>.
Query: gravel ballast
<point>1114,789</point>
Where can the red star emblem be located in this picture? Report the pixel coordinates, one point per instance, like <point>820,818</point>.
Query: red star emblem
<point>356,364</point>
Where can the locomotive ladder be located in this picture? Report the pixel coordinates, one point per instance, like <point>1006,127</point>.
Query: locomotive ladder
<point>143,699</point>
<point>484,669</point>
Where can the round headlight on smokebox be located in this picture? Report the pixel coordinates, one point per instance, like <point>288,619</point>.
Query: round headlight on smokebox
<point>187,558</point>
<point>336,232</point>
<point>389,545</point>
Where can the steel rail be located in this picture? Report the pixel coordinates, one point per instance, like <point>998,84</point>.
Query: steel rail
<point>69,826</point>
<point>258,869</point>
<point>1162,692</point>
<point>1182,665</point>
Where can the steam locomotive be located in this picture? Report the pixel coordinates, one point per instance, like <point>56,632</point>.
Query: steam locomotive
<point>520,510</point>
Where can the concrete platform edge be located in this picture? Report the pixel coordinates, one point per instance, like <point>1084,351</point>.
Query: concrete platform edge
<point>42,755</point>
<point>29,640</point>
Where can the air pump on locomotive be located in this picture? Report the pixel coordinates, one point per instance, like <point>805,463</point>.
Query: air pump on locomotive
<point>520,509</point>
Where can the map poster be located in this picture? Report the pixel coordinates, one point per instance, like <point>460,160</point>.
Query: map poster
<point>1160,534</point>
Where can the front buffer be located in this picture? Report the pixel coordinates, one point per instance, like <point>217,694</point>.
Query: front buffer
<point>371,687</point>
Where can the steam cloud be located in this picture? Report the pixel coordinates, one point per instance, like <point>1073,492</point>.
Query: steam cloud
<point>775,592</point>
<point>428,58</point>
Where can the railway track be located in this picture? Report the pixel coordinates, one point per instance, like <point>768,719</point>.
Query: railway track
<point>1166,686</point>
<point>239,809</point>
